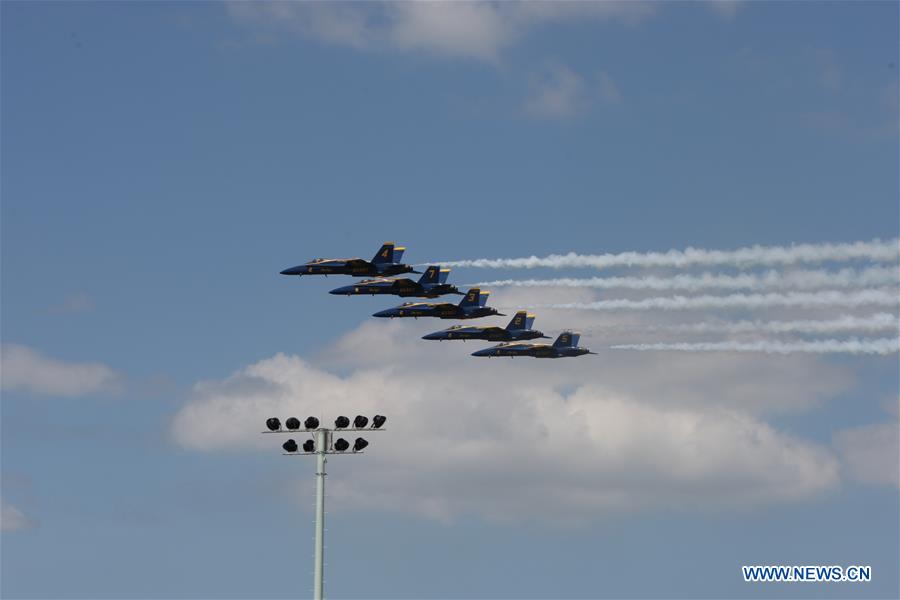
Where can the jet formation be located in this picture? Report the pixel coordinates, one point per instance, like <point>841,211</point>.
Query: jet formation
<point>433,284</point>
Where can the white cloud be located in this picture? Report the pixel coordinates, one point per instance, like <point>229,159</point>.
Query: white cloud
<point>13,519</point>
<point>556,91</point>
<point>566,440</point>
<point>871,453</point>
<point>27,370</point>
<point>474,30</point>
<point>339,23</point>
<point>469,29</point>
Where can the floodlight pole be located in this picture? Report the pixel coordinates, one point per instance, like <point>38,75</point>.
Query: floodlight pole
<point>321,447</point>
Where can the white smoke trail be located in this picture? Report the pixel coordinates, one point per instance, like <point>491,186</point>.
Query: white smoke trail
<point>797,299</point>
<point>804,280</point>
<point>851,346</point>
<point>876,322</point>
<point>875,250</point>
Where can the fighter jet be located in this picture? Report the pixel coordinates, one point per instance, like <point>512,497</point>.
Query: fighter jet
<point>518,329</point>
<point>431,285</point>
<point>470,307</point>
<point>386,262</point>
<point>565,345</point>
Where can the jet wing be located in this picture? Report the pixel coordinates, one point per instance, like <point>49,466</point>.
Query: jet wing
<point>403,283</point>
<point>492,330</point>
<point>443,306</point>
<point>520,347</point>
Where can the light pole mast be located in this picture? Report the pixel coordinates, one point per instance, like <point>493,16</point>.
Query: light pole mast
<point>318,575</point>
<point>321,445</point>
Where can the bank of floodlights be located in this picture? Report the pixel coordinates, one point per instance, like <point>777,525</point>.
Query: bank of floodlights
<point>323,442</point>
<point>330,446</point>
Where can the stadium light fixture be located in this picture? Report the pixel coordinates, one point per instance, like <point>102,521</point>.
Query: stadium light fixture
<point>320,446</point>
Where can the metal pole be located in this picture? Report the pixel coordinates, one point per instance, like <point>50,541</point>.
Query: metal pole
<point>321,447</point>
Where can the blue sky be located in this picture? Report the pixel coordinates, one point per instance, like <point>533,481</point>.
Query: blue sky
<point>162,162</point>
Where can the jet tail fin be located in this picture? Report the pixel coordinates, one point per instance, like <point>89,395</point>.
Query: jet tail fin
<point>475,297</point>
<point>521,320</point>
<point>567,339</point>
<point>431,275</point>
<point>443,274</point>
<point>388,253</point>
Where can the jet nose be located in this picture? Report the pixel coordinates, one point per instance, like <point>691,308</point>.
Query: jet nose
<point>432,336</point>
<point>484,352</point>
<point>342,291</point>
<point>384,313</point>
<point>293,271</point>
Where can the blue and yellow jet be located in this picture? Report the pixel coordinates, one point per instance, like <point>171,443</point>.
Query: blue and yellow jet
<point>386,262</point>
<point>431,285</point>
<point>470,307</point>
<point>565,345</point>
<point>518,329</point>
